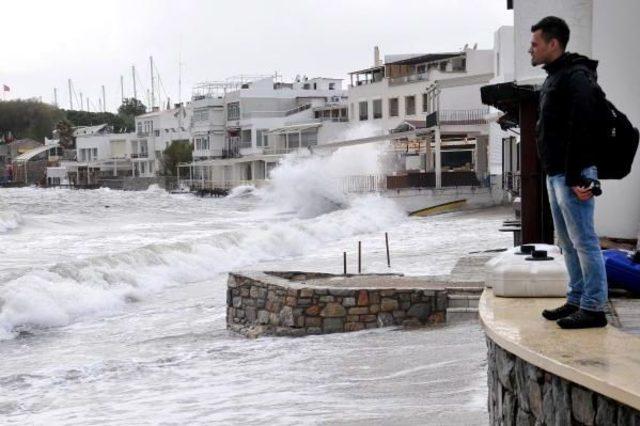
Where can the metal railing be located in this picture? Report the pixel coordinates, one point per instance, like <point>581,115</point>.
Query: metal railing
<point>195,184</point>
<point>511,182</point>
<point>297,110</point>
<point>394,81</point>
<point>458,116</point>
<point>363,183</point>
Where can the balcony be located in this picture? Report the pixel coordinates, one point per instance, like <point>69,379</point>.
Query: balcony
<point>458,117</point>
<point>411,78</point>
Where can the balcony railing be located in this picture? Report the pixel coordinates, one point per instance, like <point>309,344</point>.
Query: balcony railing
<point>232,152</point>
<point>140,155</point>
<point>458,117</point>
<point>408,79</point>
<point>297,110</point>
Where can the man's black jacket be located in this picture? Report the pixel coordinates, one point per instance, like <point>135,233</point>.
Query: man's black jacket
<point>568,119</point>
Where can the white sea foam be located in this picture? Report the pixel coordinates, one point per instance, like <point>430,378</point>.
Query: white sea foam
<point>9,220</point>
<point>65,292</point>
<point>69,290</point>
<point>311,185</point>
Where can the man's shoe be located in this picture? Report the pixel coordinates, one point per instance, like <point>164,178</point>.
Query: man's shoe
<point>561,312</point>
<point>583,319</point>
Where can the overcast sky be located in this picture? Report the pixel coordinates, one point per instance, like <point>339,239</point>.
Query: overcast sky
<point>95,42</point>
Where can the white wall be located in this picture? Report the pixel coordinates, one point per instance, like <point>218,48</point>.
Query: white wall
<point>577,14</point>
<point>504,63</point>
<point>615,45</point>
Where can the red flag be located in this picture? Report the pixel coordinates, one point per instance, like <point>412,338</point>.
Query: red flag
<point>5,88</point>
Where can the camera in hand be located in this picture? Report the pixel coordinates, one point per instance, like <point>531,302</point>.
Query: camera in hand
<point>593,185</point>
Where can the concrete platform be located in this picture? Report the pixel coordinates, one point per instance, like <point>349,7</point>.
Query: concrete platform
<point>605,361</point>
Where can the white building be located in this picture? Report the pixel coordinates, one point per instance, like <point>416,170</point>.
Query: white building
<point>207,120</point>
<point>264,118</point>
<point>608,32</point>
<point>438,91</point>
<point>503,145</point>
<point>155,131</point>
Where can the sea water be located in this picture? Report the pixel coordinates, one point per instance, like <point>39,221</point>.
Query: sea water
<point>112,308</point>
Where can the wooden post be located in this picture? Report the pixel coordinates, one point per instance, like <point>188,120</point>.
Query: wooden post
<point>537,224</point>
<point>359,257</point>
<point>386,240</point>
<point>344,262</point>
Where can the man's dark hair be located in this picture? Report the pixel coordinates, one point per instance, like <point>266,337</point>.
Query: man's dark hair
<point>553,27</point>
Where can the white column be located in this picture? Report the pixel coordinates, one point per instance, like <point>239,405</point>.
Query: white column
<point>438,158</point>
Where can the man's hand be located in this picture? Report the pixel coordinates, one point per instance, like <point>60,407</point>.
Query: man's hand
<point>582,193</point>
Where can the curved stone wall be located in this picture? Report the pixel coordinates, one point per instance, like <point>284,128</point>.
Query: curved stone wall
<point>522,394</point>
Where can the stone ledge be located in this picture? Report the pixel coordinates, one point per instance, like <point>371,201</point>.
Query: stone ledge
<point>300,303</point>
<point>603,361</point>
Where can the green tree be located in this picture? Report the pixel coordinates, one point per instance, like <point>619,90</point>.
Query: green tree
<point>28,119</point>
<point>64,129</point>
<point>178,152</point>
<point>86,118</point>
<point>132,107</point>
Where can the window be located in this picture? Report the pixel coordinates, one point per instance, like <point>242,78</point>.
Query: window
<point>410,105</point>
<point>310,137</point>
<point>157,132</point>
<point>139,127</point>
<point>457,160</point>
<point>421,69</point>
<point>293,140</point>
<point>332,86</point>
<point>245,138</point>
<point>443,66</point>
<point>458,64</point>
<point>233,111</point>
<point>425,102</point>
<point>364,110</point>
<point>377,108</point>
<point>201,115</point>
<point>261,135</point>
<point>306,86</point>
<point>393,107</point>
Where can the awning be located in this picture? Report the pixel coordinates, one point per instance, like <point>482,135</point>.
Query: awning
<point>33,152</point>
<point>295,128</point>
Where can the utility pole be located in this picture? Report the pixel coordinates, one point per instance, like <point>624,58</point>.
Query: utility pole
<point>133,75</point>
<point>153,96</point>
<point>70,96</point>
<point>104,100</point>
<point>121,89</point>
<point>81,102</point>
<point>55,96</point>
<point>180,78</point>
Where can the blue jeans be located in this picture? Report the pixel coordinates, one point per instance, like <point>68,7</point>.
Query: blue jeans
<point>575,231</point>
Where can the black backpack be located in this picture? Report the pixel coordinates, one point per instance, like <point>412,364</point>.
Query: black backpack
<point>620,142</point>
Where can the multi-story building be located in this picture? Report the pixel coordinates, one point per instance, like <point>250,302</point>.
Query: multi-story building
<point>155,131</point>
<point>436,98</point>
<point>207,123</point>
<point>264,118</point>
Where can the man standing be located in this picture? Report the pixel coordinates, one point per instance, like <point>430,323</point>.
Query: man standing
<point>566,139</point>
